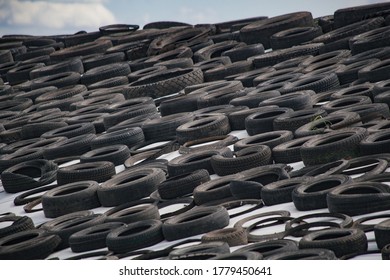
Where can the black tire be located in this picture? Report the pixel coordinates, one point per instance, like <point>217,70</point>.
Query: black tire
<point>345,103</point>
<point>378,53</point>
<point>350,73</point>
<point>204,127</point>
<point>103,59</point>
<point>81,50</point>
<point>261,31</point>
<point>165,126</point>
<point>278,214</point>
<point>95,118</point>
<point>331,168</point>
<point>92,238</point>
<point>35,130</point>
<point>368,112</point>
<point>359,198</point>
<point>131,212</point>
<point>275,77</point>
<point>294,36</point>
<point>375,143</point>
<point>182,185</point>
<point>380,126</point>
<point>146,159</point>
<point>129,137</point>
<point>243,52</point>
<point>350,15</point>
<point>117,154</point>
<point>199,251</point>
<point>112,82</point>
<point>291,63</point>
<point>33,94</point>
<point>237,119</point>
<point>11,135</point>
<point>23,176</point>
<point>246,158</point>
<point>271,247</point>
<point>239,256</point>
<point>71,131</point>
<point>367,167</point>
<point>135,236</point>
<point>312,195</point>
<point>28,245</point>
<point>358,90</point>
<point>215,50</point>
<point>232,236</point>
<point>188,204</point>
<point>19,223</point>
<point>381,231</point>
<point>160,146</point>
<point>216,98</point>
<point>333,121</point>
<point>194,161</point>
<point>221,142</point>
<point>180,104</point>
<point>99,171</point>
<point>181,62</point>
<point>349,30</point>
<point>26,197</point>
<point>299,100</point>
<point>214,190</point>
<point>63,147</point>
<point>280,192</point>
<point>60,80</point>
<point>21,73</point>
<point>245,189</point>
<point>122,115</point>
<point>104,72</point>
<point>278,56</point>
<point>340,241</point>
<point>29,144</point>
<point>70,198</point>
<point>317,83</point>
<point>130,186</point>
<point>96,101</point>
<point>63,104</point>
<point>296,231</point>
<point>223,71</point>
<point>253,98</point>
<point>293,120</point>
<point>224,109</point>
<point>330,58</point>
<point>290,151</point>
<point>333,146</point>
<point>15,104</point>
<point>73,65</point>
<point>375,38</point>
<point>375,72</point>
<point>195,221</point>
<point>169,82</point>
<point>265,174</point>
<point>386,252</point>
<point>270,139</point>
<point>64,226</point>
<point>9,160</point>
<point>263,121</point>
<point>305,254</point>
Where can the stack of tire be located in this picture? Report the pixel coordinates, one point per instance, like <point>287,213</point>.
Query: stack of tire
<point>258,111</point>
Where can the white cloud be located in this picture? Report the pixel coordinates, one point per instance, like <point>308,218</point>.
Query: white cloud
<point>56,14</point>
<point>191,15</point>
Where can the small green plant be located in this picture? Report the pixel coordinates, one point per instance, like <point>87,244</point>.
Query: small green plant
<point>319,120</point>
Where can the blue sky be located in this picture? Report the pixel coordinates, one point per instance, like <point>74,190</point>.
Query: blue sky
<point>48,17</point>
